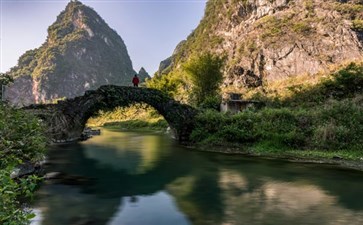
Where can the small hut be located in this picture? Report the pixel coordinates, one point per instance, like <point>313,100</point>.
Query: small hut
<point>233,103</point>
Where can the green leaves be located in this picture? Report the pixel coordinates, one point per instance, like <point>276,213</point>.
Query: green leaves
<point>335,125</point>
<point>22,139</point>
<point>11,212</point>
<point>205,75</point>
<point>5,79</point>
<point>21,136</point>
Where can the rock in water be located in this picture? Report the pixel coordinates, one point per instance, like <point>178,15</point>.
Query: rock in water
<point>81,52</point>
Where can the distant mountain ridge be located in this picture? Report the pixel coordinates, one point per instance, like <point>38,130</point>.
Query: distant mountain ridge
<point>81,52</point>
<point>270,40</point>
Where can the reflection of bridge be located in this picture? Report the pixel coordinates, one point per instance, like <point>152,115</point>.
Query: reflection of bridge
<point>67,119</point>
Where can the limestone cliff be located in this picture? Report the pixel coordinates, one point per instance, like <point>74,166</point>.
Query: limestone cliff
<point>271,40</point>
<point>167,64</point>
<point>81,52</point>
<point>143,74</point>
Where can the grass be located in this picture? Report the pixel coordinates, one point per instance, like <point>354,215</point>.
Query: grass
<point>357,25</point>
<point>266,149</point>
<point>135,117</point>
<point>158,125</point>
<point>318,121</point>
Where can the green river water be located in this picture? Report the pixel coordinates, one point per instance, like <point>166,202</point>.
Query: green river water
<point>137,178</point>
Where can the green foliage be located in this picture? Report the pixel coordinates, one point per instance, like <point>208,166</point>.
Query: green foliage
<point>290,25</point>
<point>357,25</point>
<point>345,83</point>
<point>168,83</point>
<point>26,64</point>
<point>22,139</point>
<point>302,27</point>
<point>281,127</point>
<point>160,124</point>
<point>340,125</point>
<point>205,76</point>
<point>349,10</point>
<point>11,212</point>
<point>201,40</point>
<point>133,117</point>
<point>327,116</point>
<point>4,80</point>
<point>211,102</point>
<point>309,6</point>
<point>324,127</point>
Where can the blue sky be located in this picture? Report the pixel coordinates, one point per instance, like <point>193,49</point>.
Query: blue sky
<point>151,29</point>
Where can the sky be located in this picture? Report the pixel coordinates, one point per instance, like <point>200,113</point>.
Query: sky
<point>151,29</point>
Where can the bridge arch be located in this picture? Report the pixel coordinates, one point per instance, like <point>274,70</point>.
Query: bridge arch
<point>67,119</point>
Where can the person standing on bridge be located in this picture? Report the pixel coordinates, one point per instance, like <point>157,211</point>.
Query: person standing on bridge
<point>135,81</point>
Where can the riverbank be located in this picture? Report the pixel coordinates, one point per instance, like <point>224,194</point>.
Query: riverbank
<point>22,145</point>
<point>316,122</point>
<point>139,125</point>
<point>342,159</point>
<point>321,134</point>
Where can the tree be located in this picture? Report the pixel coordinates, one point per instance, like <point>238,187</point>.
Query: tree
<point>4,80</point>
<point>205,75</point>
<point>167,83</point>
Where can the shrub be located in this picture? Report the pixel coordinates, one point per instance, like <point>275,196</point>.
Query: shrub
<point>211,102</point>
<point>323,127</point>
<point>345,83</point>
<point>357,25</point>
<point>168,83</point>
<point>205,75</point>
<point>22,139</point>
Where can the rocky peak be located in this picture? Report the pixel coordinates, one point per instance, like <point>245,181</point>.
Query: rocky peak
<point>81,53</point>
<point>143,74</point>
<point>166,65</point>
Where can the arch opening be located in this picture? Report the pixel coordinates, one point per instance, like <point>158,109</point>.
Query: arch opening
<point>135,116</point>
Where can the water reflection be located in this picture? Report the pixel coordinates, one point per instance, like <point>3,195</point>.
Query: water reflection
<point>281,203</point>
<point>155,209</point>
<point>126,151</point>
<point>148,179</point>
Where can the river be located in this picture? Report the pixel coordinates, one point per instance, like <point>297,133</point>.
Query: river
<point>141,178</point>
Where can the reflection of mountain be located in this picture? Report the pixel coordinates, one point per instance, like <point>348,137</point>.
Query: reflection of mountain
<point>230,190</point>
<point>207,188</point>
<point>117,181</point>
<point>156,209</point>
<point>100,199</point>
<point>281,203</point>
<point>127,151</point>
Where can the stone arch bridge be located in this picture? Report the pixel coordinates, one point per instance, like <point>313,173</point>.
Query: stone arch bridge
<point>66,120</point>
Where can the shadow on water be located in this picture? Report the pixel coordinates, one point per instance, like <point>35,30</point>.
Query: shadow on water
<point>143,178</point>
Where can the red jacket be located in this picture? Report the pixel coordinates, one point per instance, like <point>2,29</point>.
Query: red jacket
<point>135,80</point>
